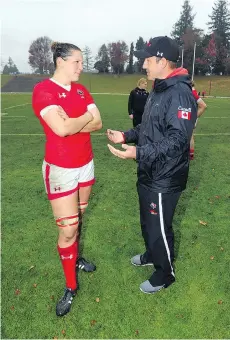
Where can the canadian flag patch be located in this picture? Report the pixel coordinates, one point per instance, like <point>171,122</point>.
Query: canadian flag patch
<point>184,113</point>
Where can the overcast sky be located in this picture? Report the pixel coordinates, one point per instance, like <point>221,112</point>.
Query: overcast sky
<point>88,22</point>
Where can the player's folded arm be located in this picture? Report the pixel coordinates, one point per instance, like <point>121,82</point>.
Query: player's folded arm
<point>65,127</point>
<point>96,123</point>
<point>46,105</point>
<point>53,120</point>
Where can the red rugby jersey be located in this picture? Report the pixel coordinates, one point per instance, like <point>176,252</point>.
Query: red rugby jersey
<point>71,151</point>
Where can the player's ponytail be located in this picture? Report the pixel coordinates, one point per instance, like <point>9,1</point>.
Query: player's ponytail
<point>62,50</point>
<point>54,45</point>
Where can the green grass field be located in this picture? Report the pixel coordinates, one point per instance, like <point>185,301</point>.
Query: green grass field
<point>213,85</point>
<point>196,306</point>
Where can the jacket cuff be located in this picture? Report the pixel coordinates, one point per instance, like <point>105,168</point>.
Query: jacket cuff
<point>126,136</point>
<point>138,153</point>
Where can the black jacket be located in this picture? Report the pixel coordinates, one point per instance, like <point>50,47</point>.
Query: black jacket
<point>163,137</point>
<point>137,101</point>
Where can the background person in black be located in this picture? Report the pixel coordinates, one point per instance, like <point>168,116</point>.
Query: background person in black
<point>137,101</point>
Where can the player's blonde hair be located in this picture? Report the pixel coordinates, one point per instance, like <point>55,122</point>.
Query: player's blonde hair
<point>141,81</point>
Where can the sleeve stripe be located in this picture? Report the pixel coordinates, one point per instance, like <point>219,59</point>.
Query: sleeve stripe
<point>46,109</point>
<point>91,106</point>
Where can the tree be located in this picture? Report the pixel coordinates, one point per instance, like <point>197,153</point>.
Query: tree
<point>211,53</point>
<point>184,23</point>
<point>227,65</point>
<point>222,54</point>
<point>206,62</point>
<point>10,63</point>
<point>6,69</point>
<point>118,52</point>
<point>13,67</point>
<point>220,25</point>
<point>103,62</point>
<point>188,40</point>
<point>51,68</point>
<point>130,67</point>
<point>88,58</point>
<point>140,44</point>
<point>10,67</point>
<point>220,22</point>
<point>99,66</point>
<point>40,56</point>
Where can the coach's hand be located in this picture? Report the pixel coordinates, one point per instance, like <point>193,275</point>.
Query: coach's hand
<point>129,153</point>
<point>115,136</point>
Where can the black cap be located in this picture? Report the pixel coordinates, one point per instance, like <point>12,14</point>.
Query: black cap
<point>162,47</point>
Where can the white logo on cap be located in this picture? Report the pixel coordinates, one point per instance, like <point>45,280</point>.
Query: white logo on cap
<point>160,53</point>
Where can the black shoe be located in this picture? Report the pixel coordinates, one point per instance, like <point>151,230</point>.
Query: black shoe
<point>64,304</point>
<point>85,265</point>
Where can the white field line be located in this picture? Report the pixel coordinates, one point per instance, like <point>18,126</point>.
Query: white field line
<point>212,134</point>
<point>12,107</point>
<point>104,134</point>
<point>110,94</point>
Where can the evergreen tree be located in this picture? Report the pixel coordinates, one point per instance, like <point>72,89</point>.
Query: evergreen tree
<point>140,44</point>
<point>10,67</point>
<point>184,23</point>
<point>130,67</point>
<point>6,70</point>
<point>88,58</point>
<point>220,26</point>
<point>220,22</point>
<point>103,61</point>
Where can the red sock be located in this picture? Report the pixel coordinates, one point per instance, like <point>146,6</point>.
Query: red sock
<point>68,258</point>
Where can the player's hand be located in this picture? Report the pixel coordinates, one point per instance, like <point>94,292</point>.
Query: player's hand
<point>62,113</point>
<point>115,136</point>
<point>129,153</point>
<point>131,116</point>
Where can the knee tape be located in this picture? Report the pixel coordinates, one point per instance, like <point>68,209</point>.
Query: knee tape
<point>67,221</point>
